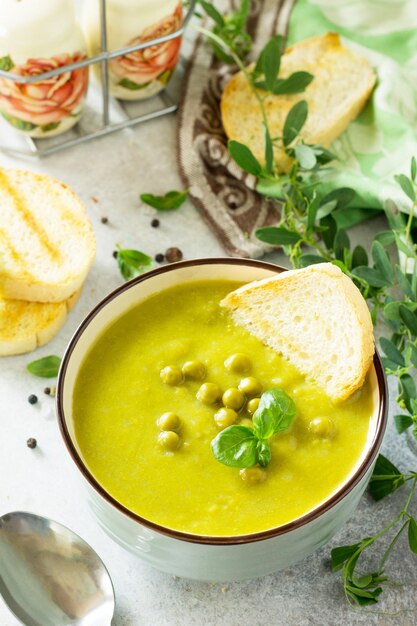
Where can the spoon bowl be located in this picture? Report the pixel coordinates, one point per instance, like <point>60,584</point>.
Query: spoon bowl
<point>49,576</point>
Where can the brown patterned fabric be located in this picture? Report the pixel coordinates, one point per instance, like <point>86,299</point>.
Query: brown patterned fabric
<point>223,193</point>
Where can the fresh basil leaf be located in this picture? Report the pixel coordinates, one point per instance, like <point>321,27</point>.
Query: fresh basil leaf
<point>409,318</point>
<point>47,367</point>
<point>406,185</point>
<point>278,235</point>
<point>235,446</point>
<point>244,157</point>
<point>382,262</point>
<point>412,535</point>
<point>212,12</point>
<point>305,156</point>
<point>269,151</point>
<point>371,276</point>
<point>402,422</point>
<point>264,453</point>
<point>359,256</point>
<point>294,122</point>
<point>341,554</point>
<point>392,351</point>
<point>132,262</point>
<point>281,405</point>
<point>263,423</point>
<point>168,202</point>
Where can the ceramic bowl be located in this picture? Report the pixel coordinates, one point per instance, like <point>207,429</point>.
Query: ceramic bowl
<point>194,556</point>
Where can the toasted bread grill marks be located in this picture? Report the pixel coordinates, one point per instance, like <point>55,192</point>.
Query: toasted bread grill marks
<point>37,230</point>
<point>12,254</point>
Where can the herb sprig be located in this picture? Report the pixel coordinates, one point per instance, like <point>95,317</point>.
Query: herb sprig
<point>169,202</point>
<point>309,232</point>
<point>243,446</point>
<point>132,262</point>
<point>47,367</point>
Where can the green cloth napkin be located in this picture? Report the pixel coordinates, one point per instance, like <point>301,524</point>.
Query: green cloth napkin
<point>382,140</point>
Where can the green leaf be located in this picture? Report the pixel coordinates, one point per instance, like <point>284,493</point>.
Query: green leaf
<point>403,282</point>
<point>408,392</point>
<point>296,83</point>
<point>392,351</point>
<point>310,259</point>
<point>403,246</point>
<point>6,63</point>
<point>385,237</point>
<point>406,185</point>
<point>341,554</point>
<point>341,243</point>
<point>343,197</point>
<point>413,169</point>
<point>409,318</point>
<point>168,202</point>
<point>362,581</point>
<point>235,446</point>
<point>279,409</point>
<point>371,276</point>
<point>382,262</point>
<point>329,234</point>
<point>359,256</point>
<point>385,479</point>
<point>294,121</point>
<point>129,84</point>
<point>389,366</point>
<point>326,209</point>
<point>278,235</point>
<point>305,156</point>
<point>275,44</point>
<point>47,367</point>
<point>402,422</point>
<point>269,151</point>
<point>212,12</point>
<point>264,453</point>
<point>244,157</point>
<point>392,309</point>
<point>412,353</point>
<point>271,60</point>
<point>312,209</point>
<point>47,127</point>
<point>412,535</point>
<point>132,262</point>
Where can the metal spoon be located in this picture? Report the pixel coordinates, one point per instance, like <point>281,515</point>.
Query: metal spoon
<point>49,576</point>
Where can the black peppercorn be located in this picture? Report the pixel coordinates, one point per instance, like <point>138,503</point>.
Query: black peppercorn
<point>47,391</point>
<point>159,258</point>
<point>32,399</point>
<point>104,220</point>
<point>31,443</point>
<point>155,223</point>
<point>115,254</point>
<point>173,255</point>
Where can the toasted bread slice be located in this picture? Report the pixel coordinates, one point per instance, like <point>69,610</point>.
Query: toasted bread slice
<point>47,242</point>
<point>26,325</point>
<point>343,81</point>
<point>316,318</point>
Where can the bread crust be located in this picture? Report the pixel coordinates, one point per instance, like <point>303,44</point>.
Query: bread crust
<point>328,61</point>
<point>20,278</point>
<point>296,282</point>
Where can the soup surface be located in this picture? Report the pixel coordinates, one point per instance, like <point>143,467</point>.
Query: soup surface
<point>119,396</point>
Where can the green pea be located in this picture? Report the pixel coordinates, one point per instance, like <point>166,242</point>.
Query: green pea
<point>225,417</point>
<point>171,375</point>
<point>233,398</point>
<point>238,363</point>
<point>250,386</point>
<point>168,440</point>
<point>169,421</point>
<point>196,370</point>
<point>253,405</point>
<point>209,393</point>
<point>253,475</point>
<point>322,427</point>
<point>245,421</point>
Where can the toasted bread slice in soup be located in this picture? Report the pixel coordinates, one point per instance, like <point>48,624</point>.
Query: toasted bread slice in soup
<point>47,244</point>
<point>316,318</point>
<point>342,83</point>
<point>26,325</point>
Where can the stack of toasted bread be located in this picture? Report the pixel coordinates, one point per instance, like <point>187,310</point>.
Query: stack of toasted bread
<point>47,246</point>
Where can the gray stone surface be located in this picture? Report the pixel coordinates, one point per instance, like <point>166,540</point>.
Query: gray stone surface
<point>115,170</point>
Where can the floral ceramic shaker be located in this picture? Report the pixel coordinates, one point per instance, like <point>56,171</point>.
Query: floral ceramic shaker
<point>37,36</point>
<point>145,72</point>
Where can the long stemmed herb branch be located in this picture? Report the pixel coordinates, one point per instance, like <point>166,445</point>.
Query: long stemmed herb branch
<point>308,232</point>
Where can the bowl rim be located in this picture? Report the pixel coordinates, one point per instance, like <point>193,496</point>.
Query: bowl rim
<point>308,517</point>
